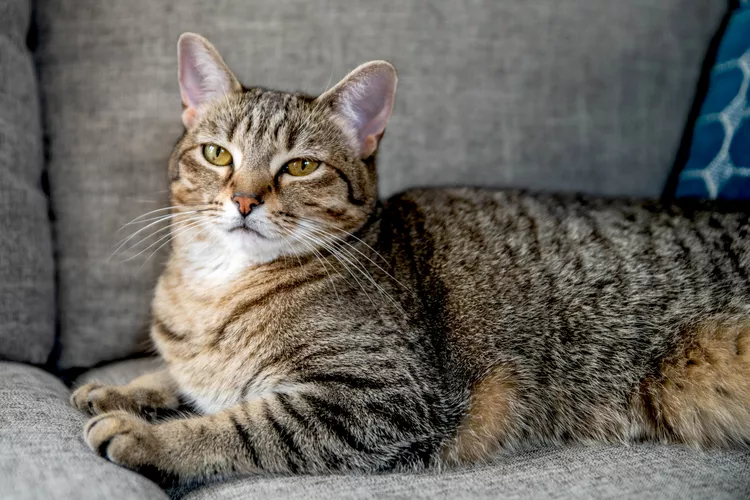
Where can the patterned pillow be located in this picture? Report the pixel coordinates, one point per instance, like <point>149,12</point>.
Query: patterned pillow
<point>719,161</point>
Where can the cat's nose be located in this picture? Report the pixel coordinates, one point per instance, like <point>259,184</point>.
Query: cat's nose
<point>245,202</point>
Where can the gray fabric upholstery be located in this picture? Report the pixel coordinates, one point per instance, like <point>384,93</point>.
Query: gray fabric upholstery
<point>584,95</point>
<point>637,472</point>
<point>629,472</point>
<point>42,453</point>
<point>119,373</point>
<point>26,266</point>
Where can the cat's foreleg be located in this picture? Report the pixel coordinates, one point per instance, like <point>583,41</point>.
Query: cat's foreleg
<point>286,432</point>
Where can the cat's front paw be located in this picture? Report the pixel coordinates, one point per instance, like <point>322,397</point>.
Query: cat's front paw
<point>96,399</point>
<point>80,398</point>
<point>124,439</point>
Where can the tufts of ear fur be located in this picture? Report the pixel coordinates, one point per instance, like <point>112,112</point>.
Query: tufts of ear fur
<point>363,101</point>
<point>203,75</point>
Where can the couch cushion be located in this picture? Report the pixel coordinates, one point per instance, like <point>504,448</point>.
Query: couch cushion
<point>42,453</point>
<point>635,472</point>
<point>26,265</point>
<point>584,95</point>
<point>120,372</point>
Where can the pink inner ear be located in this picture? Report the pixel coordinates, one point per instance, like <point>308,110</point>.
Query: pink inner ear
<point>366,100</point>
<point>203,75</point>
<point>370,104</point>
<point>190,79</point>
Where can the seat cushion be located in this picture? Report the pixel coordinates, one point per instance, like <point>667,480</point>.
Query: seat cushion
<point>586,95</point>
<point>635,472</point>
<point>42,453</point>
<point>27,307</point>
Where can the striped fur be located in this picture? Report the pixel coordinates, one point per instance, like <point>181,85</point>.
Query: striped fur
<point>338,333</point>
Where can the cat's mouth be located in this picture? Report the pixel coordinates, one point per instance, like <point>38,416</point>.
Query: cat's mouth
<point>243,228</point>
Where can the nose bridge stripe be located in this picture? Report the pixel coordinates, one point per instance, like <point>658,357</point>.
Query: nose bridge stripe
<point>253,196</point>
<point>251,180</point>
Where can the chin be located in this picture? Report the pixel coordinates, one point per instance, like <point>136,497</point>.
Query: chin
<point>254,245</point>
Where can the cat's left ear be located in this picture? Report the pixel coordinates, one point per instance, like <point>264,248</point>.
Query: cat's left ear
<point>203,75</point>
<point>363,101</point>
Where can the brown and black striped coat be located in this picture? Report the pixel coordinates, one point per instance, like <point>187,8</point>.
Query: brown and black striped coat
<point>315,329</point>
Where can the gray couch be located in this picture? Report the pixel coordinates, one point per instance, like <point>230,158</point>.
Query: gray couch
<point>565,95</point>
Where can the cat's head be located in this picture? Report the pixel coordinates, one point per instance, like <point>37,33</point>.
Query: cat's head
<point>265,173</point>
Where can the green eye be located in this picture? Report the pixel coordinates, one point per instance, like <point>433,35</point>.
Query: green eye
<point>216,155</point>
<point>299,168</point>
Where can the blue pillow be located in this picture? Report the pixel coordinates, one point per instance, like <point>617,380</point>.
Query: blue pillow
<point>719,162</point>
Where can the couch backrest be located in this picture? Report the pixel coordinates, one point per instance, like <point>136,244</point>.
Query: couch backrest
<point>586,95</point>
<point>27,306</point>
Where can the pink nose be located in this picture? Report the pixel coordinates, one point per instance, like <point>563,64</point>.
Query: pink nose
<point>245,202</point>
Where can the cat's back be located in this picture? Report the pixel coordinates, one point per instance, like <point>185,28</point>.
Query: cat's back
<point>511,270</point>
<point>520,229</point>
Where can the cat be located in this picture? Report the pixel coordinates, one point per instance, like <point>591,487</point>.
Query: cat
<point>315,329</point>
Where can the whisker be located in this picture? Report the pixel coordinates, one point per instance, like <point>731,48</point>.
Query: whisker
<point>156,220</point>
<point>320,259</point>
<point>153,233</point>
<point>175,252</point>
<point>336,255</point>
<point>173,207</point>
<point>169,236</point>
<point>333,241</point>
<point>163,217</point>
<point>331,226</point>
<point>341,240</point>
<point>206,225</point>
<point>363,269</point>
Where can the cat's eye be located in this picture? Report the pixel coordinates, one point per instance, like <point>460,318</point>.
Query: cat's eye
<point>216,155</point>
<point>299,168</point>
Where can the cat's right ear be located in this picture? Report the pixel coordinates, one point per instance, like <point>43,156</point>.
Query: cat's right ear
<point>203,75</point>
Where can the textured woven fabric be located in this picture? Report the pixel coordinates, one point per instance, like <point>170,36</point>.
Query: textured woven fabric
<point>636,472</point>
<point>719,162</point>
<point>566,95</point>
<point>42,453</point>
<point>26,265</point>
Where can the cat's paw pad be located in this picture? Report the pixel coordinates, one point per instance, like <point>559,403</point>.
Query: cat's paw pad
<point>123,438</point>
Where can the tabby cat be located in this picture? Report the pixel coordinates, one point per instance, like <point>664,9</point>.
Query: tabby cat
<point>315,329</point>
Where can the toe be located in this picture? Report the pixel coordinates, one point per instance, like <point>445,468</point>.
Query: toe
<point>124,439</point>
<point>101,430</point>
<point>80,397</point>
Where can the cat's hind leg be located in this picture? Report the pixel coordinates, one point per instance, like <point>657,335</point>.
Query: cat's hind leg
<point>702,393</point>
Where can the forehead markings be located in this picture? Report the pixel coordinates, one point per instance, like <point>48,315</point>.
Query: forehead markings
<point>237,122</point>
